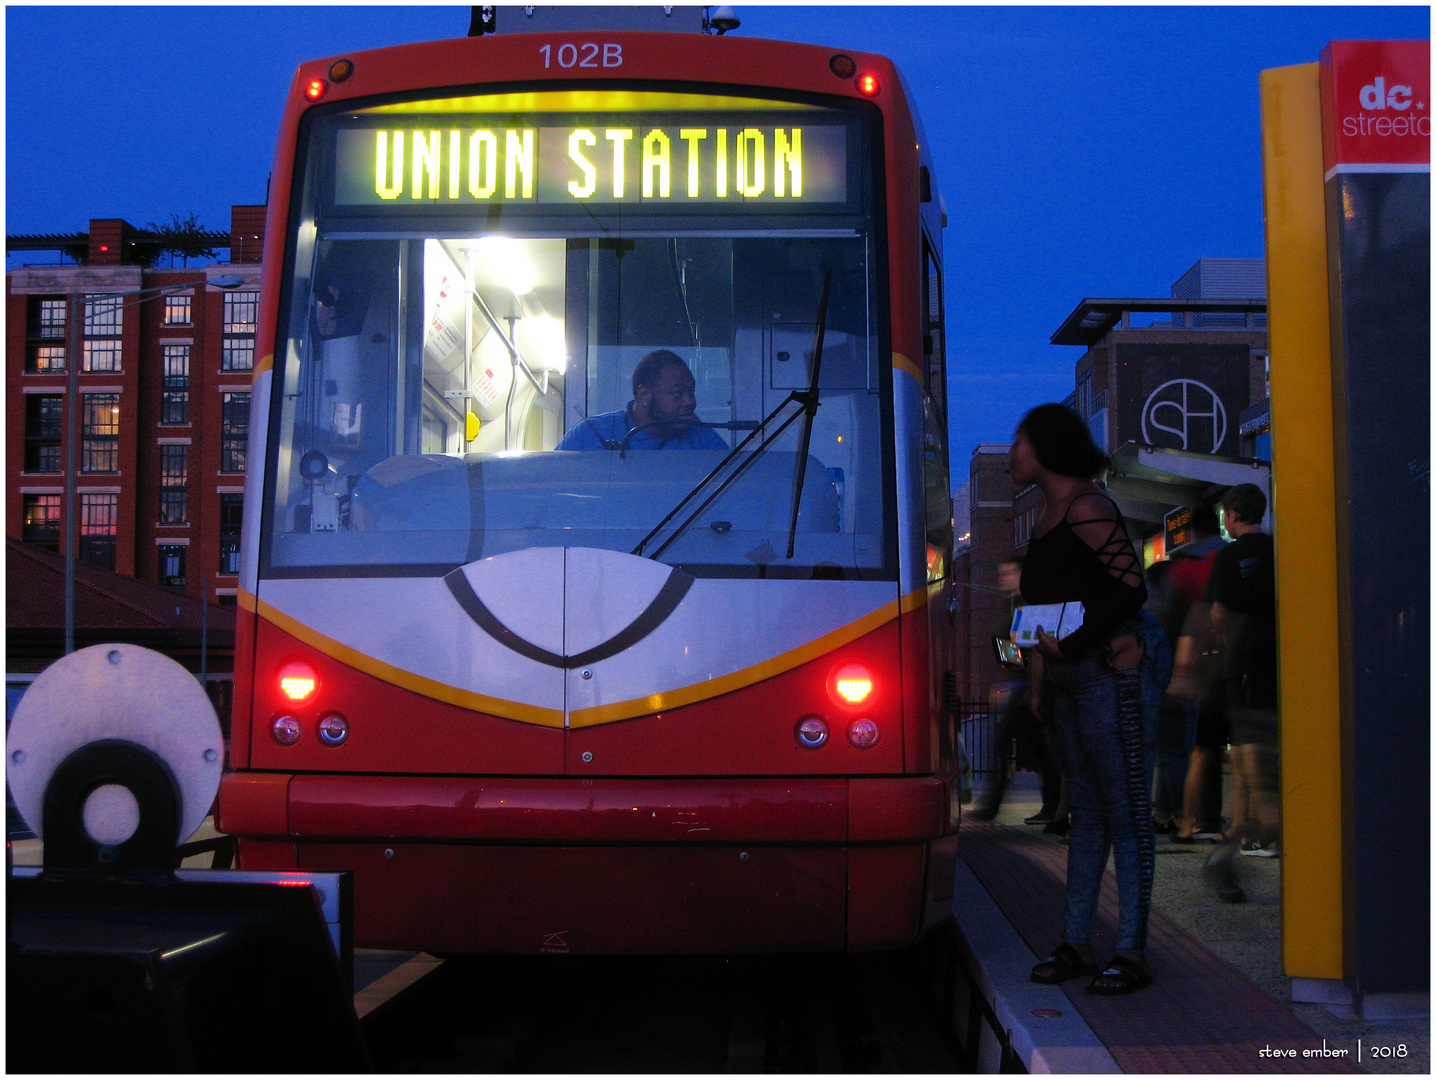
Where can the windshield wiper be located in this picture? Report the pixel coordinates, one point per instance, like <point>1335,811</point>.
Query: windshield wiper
<point>738,425</point>
<point>808,399</point>
<point>810,408</point>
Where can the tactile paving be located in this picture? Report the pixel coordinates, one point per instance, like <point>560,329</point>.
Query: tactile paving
<point>1198,1016</point>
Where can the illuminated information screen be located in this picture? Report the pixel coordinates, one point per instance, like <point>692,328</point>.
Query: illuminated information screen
<point>713,160</point>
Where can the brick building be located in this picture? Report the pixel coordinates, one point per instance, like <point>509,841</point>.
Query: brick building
<point>163,387</point>
<point>1174,388</point>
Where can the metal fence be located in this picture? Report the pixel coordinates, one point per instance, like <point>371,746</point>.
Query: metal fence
<point>977,726</point>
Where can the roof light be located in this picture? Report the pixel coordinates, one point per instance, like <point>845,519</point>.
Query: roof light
<point>315,89</point>
<point>297,680</point>
<point>844,67</point>
<point>868,85</point>
<point>850,685</point>
<point>341,70</point>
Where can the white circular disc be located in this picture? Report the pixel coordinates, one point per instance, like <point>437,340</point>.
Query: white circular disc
<point>111,814</point>
<point>116,692</point>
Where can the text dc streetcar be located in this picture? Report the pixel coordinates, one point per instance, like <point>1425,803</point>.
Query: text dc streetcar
<point>619,699</point>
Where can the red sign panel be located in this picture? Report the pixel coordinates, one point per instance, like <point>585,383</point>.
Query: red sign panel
<point>1375,105</point>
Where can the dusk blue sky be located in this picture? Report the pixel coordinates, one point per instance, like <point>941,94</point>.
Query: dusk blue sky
<point>1081,151</point>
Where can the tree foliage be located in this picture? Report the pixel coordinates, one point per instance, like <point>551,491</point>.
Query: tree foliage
<point>184,238</point>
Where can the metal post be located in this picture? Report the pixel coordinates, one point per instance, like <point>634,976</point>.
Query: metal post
<point>72,409</point>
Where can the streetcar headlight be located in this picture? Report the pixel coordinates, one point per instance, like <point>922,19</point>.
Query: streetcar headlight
<point>812,732</point>
<point>850,685</point>
<point>315,89</point>
<point>333,729</point>
<point>297,681</point>
<point>868,85</point>
<point>286,730</point>
<point>863,733</point>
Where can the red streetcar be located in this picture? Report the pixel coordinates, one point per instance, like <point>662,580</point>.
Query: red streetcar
<point>595,589</point>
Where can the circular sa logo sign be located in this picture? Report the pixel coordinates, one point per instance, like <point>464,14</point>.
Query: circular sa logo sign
<point>1188,409</point>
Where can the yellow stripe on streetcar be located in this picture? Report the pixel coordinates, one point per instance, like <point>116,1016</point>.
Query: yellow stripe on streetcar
<point>599,714</point>
<point>405,680</point>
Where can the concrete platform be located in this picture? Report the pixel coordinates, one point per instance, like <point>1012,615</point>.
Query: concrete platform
<point>1202,1014</point>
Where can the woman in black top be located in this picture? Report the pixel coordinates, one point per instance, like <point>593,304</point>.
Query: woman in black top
<point>1106,680</point>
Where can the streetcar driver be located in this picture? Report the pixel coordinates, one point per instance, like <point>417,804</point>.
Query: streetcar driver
<point>660,415</point>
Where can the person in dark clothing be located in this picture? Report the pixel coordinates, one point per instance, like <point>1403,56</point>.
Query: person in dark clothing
<point>1175,584</point>
<point>1106,679</point>
<point>1242,592</point>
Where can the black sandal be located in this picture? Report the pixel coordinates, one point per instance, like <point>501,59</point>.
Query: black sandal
<point>1124,975</point>
<point>1064,963</point>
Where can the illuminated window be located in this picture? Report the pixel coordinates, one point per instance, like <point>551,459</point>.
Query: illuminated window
<point>174,404</point>
<point>45,360</point>
<point>241,312</point>
<point>99,526</point>
<point>231,515</point>
<point>177,310</point>
<point>234,432</point>
<point>100,443</point>
<point>104,329</point>
<point>174,481</point>
<point>172,565</point>
<point>42,521</point>
<point>44,415</point>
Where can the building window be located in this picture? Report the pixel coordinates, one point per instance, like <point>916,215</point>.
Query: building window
<point>177,310</point>
<point>234,432</point>
<point>104,331</point>
<point>231,515</point>
<point>172,559</point>
<point>102,355</point>
<point>42,522</point>
<point>241,314</point>
<point>100,443</point>
<point>1022,526</point>
<point>174,404</point>
<point>45,360</point>
<point>44,419</point>
<point>45,348</point>
<point>99,526</point>
<point>1084,396</point>
<point>47,317</point>
<point>174,484</point>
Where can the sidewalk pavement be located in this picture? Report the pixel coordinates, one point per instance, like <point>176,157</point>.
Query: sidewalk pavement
<point>1225,997</point>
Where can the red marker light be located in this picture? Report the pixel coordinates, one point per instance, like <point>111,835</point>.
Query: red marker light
<point>297,680</point>
<point>315,89</point>
<point>868,85</point>
<point>850,685</point>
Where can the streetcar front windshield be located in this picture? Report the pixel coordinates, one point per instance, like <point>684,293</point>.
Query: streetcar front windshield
<point>583,319</point>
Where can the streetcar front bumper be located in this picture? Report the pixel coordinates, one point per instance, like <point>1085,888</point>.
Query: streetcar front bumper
<point>610,865</point>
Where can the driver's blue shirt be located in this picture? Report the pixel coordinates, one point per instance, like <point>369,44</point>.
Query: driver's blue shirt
<point>592,433</point>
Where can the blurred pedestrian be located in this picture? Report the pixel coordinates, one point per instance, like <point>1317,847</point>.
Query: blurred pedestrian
<point>1242,592</point>
<point>1175,585</point>
<point>1106,680</point>
<point>1017,720</point>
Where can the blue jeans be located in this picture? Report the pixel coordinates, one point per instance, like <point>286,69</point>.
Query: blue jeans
<point>1108,722</point>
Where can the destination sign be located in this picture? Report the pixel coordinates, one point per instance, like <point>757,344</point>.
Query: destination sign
<point>413,162</point>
